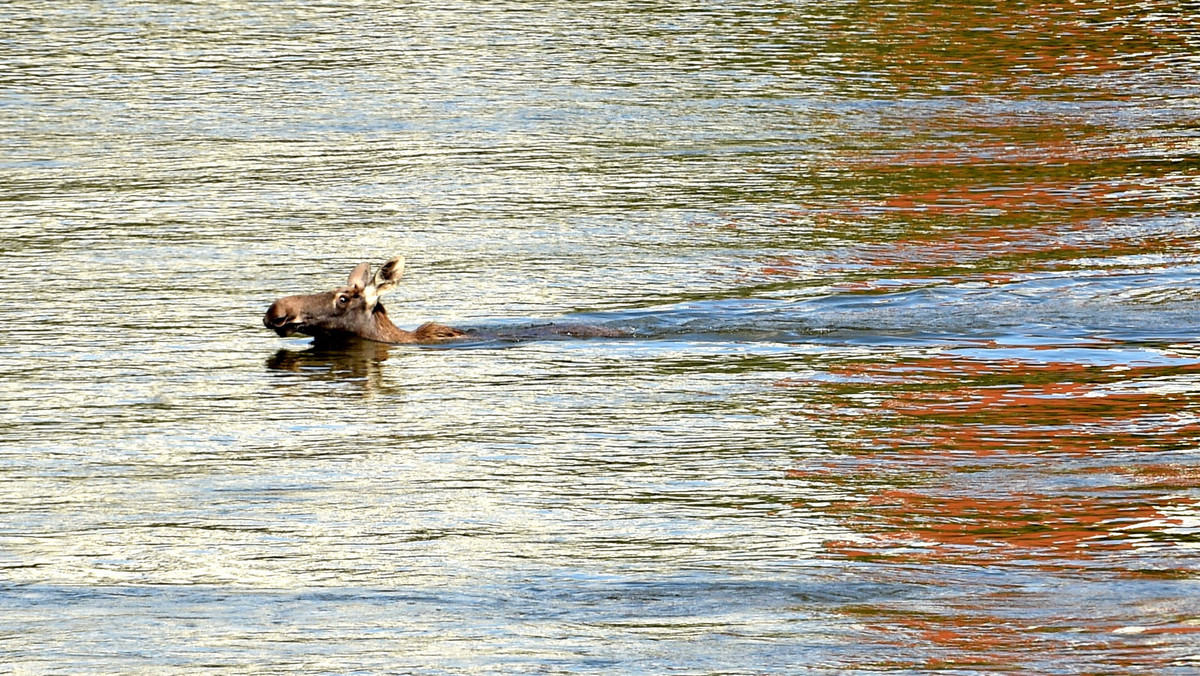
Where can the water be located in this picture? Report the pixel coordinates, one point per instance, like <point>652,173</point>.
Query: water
<point>908,380</point>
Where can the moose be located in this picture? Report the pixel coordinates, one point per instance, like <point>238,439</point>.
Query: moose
<point>354,311</point>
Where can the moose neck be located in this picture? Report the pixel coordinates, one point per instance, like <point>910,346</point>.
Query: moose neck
<point>382,329</point>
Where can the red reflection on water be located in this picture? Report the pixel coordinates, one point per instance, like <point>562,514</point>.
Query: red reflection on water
<point>1062,225</point>
<point>1049,466</point>
<point>1054,529</point>
<point>1010,48</point>
<point>1077,197</point>
<point>941,405</point>
<point>939,415</point>
<point>975,639</point>
<point>938,461</point>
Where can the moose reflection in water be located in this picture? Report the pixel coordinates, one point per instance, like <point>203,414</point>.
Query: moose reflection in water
<point>353,312</point>
<point>352,360</point>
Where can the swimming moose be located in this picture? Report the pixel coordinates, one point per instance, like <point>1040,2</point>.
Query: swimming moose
<point>354,311</point>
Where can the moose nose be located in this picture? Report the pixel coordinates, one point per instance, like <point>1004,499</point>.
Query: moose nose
<point>276,317</point>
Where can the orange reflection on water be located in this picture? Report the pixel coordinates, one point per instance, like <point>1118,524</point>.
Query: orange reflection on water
<point>1082,198</point>
<point>948,227</point>
<point>1066,470</point>
<point>971,637</point>
<point>915,430</point>
<point>982,406</point>
<point>963,407</point>
<point>972,48</point>
<point>1071,470</point>
<point>976,529</point>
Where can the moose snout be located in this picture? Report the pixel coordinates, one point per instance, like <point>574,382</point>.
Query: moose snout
<point>277,318</point>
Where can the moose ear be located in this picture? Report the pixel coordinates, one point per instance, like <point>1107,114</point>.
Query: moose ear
<point>385,280</point>
<point>360,276</point>
<point>389,275</point>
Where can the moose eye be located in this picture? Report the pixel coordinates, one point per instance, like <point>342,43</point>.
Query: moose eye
<point>343,299</point>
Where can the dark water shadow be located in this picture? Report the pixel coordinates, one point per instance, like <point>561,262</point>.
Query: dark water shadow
<point>333,360</point>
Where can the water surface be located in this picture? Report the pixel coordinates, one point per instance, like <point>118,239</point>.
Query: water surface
<point>908,294</point>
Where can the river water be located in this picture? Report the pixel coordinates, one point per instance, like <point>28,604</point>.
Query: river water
<point>908,376</point>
